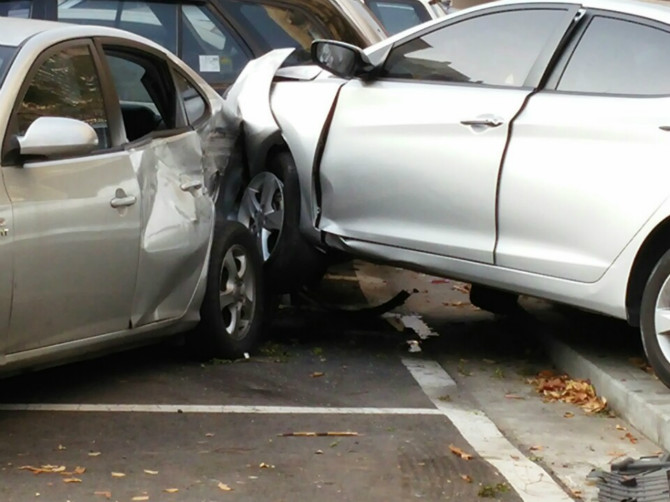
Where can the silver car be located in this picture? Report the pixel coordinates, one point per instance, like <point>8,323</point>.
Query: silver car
<point>520,145</point>
<point>111,152</point>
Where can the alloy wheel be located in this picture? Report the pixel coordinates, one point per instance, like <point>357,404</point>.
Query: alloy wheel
<point>237,295</point>
<point>262,211</point>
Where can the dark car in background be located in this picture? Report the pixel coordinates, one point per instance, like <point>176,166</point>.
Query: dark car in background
<point>217,37</point>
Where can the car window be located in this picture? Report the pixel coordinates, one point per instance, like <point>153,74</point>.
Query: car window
<point>398,16</point>
<point>195,105</point>
<point>274,26</point>
<point>192,32</point>
<point>19,8</point>
<point>153,20</point>
<point>615,56</point>
<point>208,47</point>
<point>65,85</point>
<point>146,97</point>
<point>495,49</point>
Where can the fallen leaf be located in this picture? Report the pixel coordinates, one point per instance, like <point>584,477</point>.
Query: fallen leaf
<point>43,469</point>
<point>71,480</point>
<point>61,447</point>
<point>631,438</point>
<point>224,487</point>
<point>118,475</point>
<point>171,490</point>
<point>466,478</point>
<point>153,473</point>
<point>317,374</point>
<point>568,414</point>
<point>105,494</point>
<point>93,453</point>
<point>263,465</point>
<point>536,448</point>
<point>620,427</point>
<point>513,396</point>
<point>209,435</point>
<point>139,498</point>
<point>457,451</point>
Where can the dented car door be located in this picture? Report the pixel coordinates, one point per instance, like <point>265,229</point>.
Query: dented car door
<point>167,157</point>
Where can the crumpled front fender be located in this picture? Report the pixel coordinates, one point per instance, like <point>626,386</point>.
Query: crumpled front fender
<point>247,106</point>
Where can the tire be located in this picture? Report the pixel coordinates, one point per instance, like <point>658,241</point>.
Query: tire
<point>655,319</point>
<point>232,328</point>
<point>270,208</point>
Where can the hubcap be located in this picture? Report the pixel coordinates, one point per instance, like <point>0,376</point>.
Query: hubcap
<point>662,319</point>
<point>237,293</point>
<point>262,211</point>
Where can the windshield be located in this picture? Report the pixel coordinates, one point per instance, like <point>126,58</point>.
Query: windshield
<point>6,56</point>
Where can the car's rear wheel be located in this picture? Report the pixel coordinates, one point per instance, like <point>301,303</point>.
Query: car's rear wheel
<point>232,309</point>
<point>270,208</point>
<point>655,319</point>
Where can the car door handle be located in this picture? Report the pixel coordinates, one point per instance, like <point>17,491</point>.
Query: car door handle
<point>483,122</point>
<point>191,185</point>
<point>128,200</point>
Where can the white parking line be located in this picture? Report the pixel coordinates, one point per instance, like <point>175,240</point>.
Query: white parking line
<point>531,482</point>
<point>196,408</point>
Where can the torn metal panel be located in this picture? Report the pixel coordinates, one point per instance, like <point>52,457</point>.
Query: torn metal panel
<point>247,105</point>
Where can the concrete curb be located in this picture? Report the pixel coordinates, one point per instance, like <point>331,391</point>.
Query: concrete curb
<point>633,394</point>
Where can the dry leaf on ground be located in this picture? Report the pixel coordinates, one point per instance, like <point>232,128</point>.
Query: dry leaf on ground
<point>93,453</point>
<point>140,498</point>
<point>118,475</point>
<point>71,480</point>
<point>466,478</point>
<point>153,473</point>
<point>224,487</point>
<point>317,374</point>
<point>568,414</point>
<point>106,494</point>
<point>536,448</point>
<point>568,390</point>
<point>457,451</point>
<point>171,490</point>
<point>50,469</point>
<point>630,438</point>
<point>513,396</point>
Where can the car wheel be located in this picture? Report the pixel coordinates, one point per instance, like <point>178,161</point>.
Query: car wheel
<point>655,319</point>
<point>270,208</point>
<point>232,309</point>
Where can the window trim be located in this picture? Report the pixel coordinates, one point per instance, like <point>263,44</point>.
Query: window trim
<point>563,61</point>
<point>10,153</point>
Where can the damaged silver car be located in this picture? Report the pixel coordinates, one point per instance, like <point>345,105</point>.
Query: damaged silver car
<point>111,154</point>
<point>520,146</point>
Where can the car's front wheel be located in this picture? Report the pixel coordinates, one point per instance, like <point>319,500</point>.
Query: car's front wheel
<point>655,319</point>
<point>270,208</point>
<point>232,309</point>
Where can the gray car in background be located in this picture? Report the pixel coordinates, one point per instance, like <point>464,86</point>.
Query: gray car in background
<point>217,37</point>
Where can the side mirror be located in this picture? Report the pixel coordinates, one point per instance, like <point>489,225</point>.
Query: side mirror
<point>57,137</point>
<point>341,59</point>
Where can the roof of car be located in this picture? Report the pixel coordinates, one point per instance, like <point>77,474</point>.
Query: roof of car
<point>13,31</point>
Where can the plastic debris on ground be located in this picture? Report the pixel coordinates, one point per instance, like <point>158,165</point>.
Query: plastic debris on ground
<point>629,480</point>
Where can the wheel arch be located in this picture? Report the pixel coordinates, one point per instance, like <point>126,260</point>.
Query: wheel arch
<point>654,246</point>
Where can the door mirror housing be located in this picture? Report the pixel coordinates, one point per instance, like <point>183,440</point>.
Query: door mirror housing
<point>341,59</point>
<point>57,137</point>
